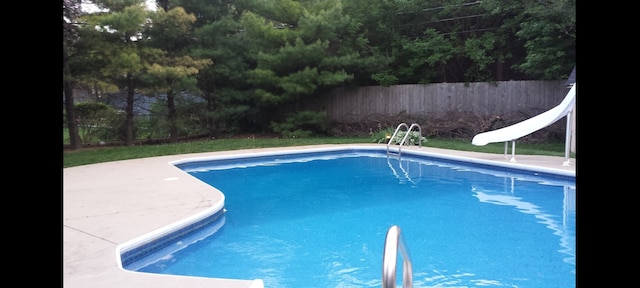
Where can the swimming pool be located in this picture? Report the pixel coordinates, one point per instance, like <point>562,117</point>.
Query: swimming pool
<point>466,224</point>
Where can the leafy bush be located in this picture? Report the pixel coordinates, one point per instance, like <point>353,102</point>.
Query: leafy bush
<point>115,127</point>
<point>384,136</point>
<point>413,139</point>
<point>98,120</point>
<point>191,119</point>
<point>302,124</point>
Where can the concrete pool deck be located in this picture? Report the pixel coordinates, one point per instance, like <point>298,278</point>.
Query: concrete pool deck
<point>107,204</point>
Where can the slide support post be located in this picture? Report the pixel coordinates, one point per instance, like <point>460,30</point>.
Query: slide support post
<point>513,150</point>
<point>506,148</point>
<point>567,142</point>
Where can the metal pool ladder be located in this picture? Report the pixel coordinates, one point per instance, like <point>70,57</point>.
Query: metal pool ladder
<point>406,136</point>
<point>392,243</point>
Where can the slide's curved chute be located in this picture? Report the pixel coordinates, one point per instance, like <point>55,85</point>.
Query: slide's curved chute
<point>530,125</point>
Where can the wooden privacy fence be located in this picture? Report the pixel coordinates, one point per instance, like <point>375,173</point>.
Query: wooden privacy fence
<point>482,99</point>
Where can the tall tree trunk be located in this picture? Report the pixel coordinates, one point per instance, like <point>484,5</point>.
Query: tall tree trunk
<point>129,113</point>
<point>172,117</point>
<point>72,125</point>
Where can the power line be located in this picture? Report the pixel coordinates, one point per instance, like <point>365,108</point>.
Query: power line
<point>446,19</point>
<point>442,7</point>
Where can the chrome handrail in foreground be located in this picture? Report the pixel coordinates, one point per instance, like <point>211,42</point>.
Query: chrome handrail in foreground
<point>394,241</point>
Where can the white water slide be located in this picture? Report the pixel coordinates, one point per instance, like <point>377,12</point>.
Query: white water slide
<point>533,124</point>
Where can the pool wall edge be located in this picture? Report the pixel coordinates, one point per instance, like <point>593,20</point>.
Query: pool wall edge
<point>146,238</point>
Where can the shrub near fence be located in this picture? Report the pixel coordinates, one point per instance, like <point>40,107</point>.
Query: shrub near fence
<point>458,110</point>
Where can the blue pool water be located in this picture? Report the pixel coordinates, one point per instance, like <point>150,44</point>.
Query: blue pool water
<point>320,220</point>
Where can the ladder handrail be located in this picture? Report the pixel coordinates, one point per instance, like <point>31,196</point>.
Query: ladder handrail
<point>406,136</point>
<point>409,133</point>
<point>396,133</point>
<point>392,243</point>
